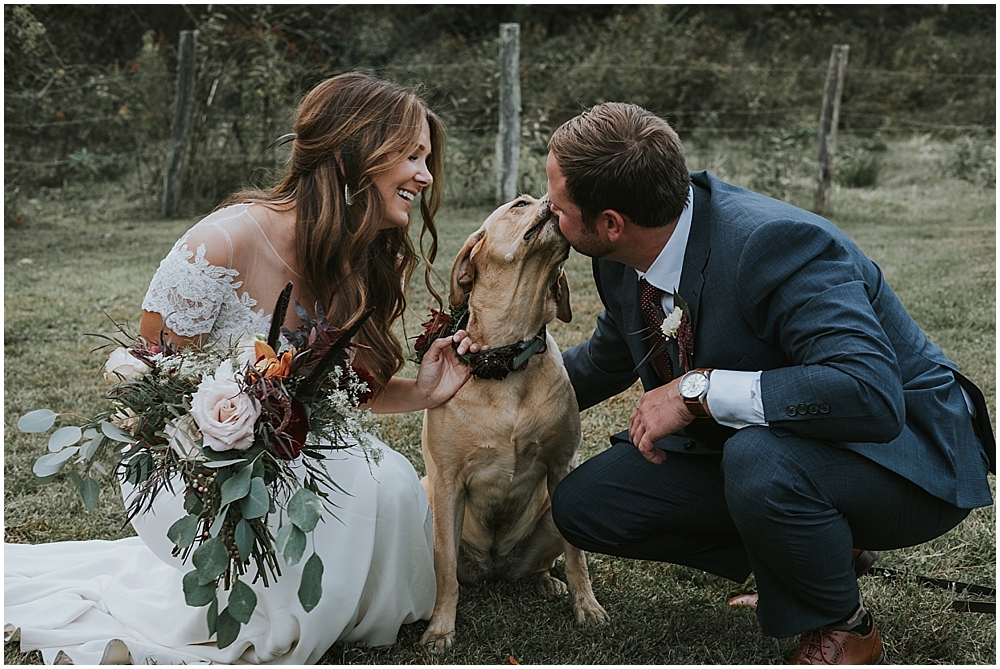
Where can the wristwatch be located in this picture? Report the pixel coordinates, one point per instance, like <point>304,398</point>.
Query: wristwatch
<point>694,391</point>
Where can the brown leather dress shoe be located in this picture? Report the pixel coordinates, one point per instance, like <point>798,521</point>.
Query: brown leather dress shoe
<point>863,561</point>
<point>826,646</point>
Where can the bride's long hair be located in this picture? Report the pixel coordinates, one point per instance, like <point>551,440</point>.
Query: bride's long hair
<point>345,131</point>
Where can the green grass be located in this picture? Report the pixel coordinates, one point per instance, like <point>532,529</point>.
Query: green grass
<point>94,251</point>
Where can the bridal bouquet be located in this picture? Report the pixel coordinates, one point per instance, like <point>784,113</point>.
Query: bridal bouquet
<point>225,423</point>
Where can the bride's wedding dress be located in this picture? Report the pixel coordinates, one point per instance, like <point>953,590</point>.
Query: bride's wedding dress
<point>91,602</point>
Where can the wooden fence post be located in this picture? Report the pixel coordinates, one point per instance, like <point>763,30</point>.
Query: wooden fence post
<point>182,120</point>
<point>828,125</point>
<point>509,132</point>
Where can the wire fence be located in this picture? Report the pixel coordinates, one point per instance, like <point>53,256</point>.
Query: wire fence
<point>118,124</point>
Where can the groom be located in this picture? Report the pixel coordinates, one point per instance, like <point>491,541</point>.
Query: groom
<point>793,410</point>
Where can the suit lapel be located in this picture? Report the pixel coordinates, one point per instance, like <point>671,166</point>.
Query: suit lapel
<point>696,257</point>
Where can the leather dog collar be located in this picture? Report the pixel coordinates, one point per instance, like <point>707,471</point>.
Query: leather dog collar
<point>494,363</point>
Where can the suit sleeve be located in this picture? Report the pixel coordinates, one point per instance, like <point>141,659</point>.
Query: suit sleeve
<point>804,291</point>
<point>602,366</point>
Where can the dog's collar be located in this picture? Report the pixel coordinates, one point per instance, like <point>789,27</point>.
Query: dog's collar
<point>494,363</point>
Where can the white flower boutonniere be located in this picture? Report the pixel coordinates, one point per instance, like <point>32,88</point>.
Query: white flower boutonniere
<point>672,323</point>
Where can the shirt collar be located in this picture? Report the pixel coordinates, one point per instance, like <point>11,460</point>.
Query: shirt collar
<point>665,272</point>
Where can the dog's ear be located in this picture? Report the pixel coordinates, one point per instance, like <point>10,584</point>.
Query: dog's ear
<point>463,273</point>
<point>561,290</point>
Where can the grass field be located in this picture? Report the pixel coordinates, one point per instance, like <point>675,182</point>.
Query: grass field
<point>81,252</point>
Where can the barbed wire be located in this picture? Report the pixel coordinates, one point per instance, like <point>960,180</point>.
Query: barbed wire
<point>88,84</point>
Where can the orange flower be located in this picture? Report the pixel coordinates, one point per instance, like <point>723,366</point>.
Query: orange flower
<point>269,364</point>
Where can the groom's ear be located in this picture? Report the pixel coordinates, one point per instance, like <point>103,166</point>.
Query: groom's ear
<point>611,224</point>
<point>463,272</point>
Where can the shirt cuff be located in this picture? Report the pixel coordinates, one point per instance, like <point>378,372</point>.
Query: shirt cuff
<point>734,398</point>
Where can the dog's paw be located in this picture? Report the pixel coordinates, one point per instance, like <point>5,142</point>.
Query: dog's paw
<point>550,586</point>
<point>438,641</point>
<point>589,612</point>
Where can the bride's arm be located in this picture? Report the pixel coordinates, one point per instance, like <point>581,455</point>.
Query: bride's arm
<point>153,331</point>
<point>441,375</point>
<point>188,288</point>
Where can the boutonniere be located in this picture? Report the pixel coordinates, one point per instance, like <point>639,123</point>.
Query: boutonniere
<point>676,325</point>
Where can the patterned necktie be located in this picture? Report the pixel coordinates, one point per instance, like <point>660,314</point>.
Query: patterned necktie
<point>652,312</point>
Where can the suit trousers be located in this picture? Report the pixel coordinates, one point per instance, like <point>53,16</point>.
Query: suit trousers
<point>786,508</point>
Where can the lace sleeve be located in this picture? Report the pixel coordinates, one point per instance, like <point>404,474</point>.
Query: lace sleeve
<point>188,292</point>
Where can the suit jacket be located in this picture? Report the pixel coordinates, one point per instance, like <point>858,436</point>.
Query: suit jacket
<point>774,288</point>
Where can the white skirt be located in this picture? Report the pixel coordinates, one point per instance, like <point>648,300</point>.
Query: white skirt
<point>93,600</point>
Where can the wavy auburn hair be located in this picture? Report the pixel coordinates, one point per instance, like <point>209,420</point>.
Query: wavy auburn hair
<point>349,129</point>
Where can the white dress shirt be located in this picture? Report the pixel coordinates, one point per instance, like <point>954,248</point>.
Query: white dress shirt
<point>733,397</point>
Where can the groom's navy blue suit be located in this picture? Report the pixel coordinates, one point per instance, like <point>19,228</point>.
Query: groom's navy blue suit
<point>849,380</point>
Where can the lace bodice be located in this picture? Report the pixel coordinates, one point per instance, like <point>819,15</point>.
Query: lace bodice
<point>195,297</point>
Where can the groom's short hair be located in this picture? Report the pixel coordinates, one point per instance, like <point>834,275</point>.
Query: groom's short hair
<point>622,157</point>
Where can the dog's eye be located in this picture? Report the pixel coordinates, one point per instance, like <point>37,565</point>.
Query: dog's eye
<point>520,203</point>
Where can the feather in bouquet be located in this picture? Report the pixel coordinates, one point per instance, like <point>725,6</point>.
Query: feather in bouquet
<point>226,423</point>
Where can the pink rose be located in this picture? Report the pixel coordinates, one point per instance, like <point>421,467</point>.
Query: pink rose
<point>225,414</point>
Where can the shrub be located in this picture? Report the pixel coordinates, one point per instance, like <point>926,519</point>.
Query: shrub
<point>974,159</point>
<point>858,172</point>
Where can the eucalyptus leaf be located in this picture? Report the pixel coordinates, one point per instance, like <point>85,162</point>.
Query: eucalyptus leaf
<point>218,464</point>
<point>90,492</point>
<point>50,464</point>
<point>183,531</point>
<point>211,559</point>
<point>38,420</point>
<point>87,450</point>
<point>311,585</point>
<point>227,629</point>
<point>112,431</point>
<point>212,617</point>
<point>63,437</point>
<point>196,593</point>
<point>237,486</point>
<point>193,505</point>
<point>258,502</point>
<point>89,433</point>
<point>219,520</point>
<point>244,539</point>
<point>242,602</point>
<point>291,543</point>
<point>305,509</point>
<point>99,467</point>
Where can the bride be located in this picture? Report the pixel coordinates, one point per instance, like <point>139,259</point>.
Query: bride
<point>336,228</point>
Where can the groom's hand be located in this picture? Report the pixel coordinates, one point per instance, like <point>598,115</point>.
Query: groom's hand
<point>660,412</point>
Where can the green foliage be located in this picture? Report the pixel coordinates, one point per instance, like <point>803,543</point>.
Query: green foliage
<point>860,170</point>
<point>89,92</point>
<point>973,159</point>
<point>780,158</point>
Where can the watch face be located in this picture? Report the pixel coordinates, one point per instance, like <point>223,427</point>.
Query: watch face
<point>693,385</point>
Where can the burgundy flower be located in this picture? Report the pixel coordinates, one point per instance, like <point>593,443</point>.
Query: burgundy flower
<point>293,435</point>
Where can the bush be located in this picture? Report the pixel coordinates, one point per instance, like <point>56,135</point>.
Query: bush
<point>858,172</point>
<point>974,159</point>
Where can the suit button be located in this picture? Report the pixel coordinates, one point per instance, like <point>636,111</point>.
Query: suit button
<point>790,410</point>
<point>824,408</point>
<point>814,408</point>
<point>803,409</point>
<point>689,444</point>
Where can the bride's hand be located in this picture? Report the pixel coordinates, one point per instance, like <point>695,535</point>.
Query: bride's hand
<point>441,372</point>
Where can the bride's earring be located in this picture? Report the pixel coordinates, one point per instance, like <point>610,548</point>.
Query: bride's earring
<point>347,196</point>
